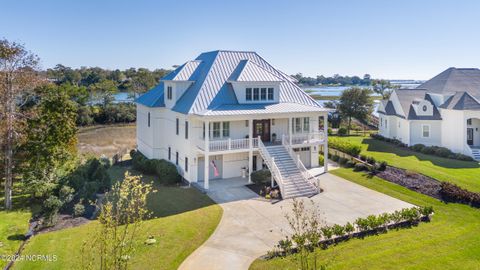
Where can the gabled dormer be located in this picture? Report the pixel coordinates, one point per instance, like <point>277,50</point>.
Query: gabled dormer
<point>422,107</point>
<point>253,84</point>
<point>178,81</point>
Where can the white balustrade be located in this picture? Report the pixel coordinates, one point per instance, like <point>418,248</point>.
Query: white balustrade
<point>229,144</point>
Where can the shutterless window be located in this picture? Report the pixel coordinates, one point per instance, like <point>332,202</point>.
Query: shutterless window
<point>263,93</point>
<point>216,130</point>
<point>256,93</point>
<point>177,128</point>
<point>425,131</point>
<point>176,158</point>
<point>306,124</point>
<point>298,125</point>
<point>169,92</point>
<point>203,130</point>
<point>186,164</point>
<point>169,153</point>
<point>226,129</point>
<point>248,94</point>
<point>270,94</point>
<point>148,119</point>
<point>186,129</point>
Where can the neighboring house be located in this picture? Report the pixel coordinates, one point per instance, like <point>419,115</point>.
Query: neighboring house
<point>228,113</point>
<point>443,111</point>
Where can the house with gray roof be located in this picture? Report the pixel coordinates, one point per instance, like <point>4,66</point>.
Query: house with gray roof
<point>227,114</point>
<point>443,111</point>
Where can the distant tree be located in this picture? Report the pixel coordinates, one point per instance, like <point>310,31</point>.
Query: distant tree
<point>104,90</point>
<point>18,77</point>
<point>355,103</point>
<point>383,88</point>
<point>142,81</point>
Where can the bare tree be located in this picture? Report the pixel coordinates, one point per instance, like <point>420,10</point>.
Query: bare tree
<point>18,76</point>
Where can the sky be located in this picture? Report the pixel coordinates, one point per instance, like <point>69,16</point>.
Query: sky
<point>388,39</point>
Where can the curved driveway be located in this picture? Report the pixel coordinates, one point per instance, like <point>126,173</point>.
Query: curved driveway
<point>250,226</point>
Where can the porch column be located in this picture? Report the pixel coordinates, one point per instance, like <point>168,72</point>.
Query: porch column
<point>250,150</point>
<point>325,143</point>
<point>207,158</point>
<point>290,130</point>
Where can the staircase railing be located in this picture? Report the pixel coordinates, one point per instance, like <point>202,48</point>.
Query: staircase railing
<point>307,176</point>
<point>270,162</point>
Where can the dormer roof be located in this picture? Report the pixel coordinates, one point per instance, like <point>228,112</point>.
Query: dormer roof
<point>183,72</point>
<point>248,71</point>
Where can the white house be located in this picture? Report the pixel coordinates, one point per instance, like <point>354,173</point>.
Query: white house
<point>443,111</point>
<point>238,113</point>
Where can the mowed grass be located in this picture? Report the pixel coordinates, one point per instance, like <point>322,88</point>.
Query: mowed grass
<point>106,140</point>
<point>463,173</point>
<point>450,241</point>
<point>183,218</point>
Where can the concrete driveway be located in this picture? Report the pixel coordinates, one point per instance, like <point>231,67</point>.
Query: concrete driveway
<point>250,226</point>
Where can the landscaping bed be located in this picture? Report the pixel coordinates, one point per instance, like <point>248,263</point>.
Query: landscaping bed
<point>413,181</point>
<point>265,192</point>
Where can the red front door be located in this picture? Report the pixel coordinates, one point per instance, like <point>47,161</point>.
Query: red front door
<point>262,128</point>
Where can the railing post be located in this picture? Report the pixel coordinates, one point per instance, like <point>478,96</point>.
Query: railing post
<point>229,144</point>
<point>298,160</point>
<point>271,177</point>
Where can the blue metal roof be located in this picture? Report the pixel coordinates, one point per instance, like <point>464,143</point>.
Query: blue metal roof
<point>152,98</point>
<point>211,72</point>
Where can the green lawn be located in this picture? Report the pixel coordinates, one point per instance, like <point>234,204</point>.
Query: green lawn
<point>183,219</point>
<point>450,241</point>
<point>463,173</point>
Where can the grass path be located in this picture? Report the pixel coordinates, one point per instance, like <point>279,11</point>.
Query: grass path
<point>463,173</point>
<point>183,219</point>
<point>450,241</point>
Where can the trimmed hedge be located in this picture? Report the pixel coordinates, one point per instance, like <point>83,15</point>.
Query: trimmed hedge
<point>344,146</point>
<point>428,150</point>
<point>167,172</point>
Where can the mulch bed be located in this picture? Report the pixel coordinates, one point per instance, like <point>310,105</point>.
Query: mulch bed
<point>64,222</point>
<point>258,188</point>
<point>414,181</point>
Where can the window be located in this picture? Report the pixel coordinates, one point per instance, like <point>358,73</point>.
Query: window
<point>186,129</point>
<point>306,124</point>
<point>270,93</point>
<point>263,93</point>
<point>169,92</point>
<point>255,93</point>
<point>298,125</point>
<point>203,130</point>
<point>177,128</point>
<point>186,164</point>
<point>226,129</point>
<point>248,94</point>
<point>169,153</point>
<point>381,121</point>
<point>386,123</point>
<point>216,130</point>
<point>148,119</point>
<point>426,131</point>
<point>469,121</point>
<point>176,158</point>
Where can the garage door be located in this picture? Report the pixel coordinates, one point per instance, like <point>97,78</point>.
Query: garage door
<point>218,163</point>
<point>305,156</point>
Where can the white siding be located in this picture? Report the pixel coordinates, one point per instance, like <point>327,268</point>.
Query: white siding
<point>416,132</point>
<point>453,130</point>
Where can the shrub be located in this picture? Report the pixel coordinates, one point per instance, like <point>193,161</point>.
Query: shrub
<point>370,160</point>
<point>327,232</point>
<point>66,194</point>
<point>321,160</point>
<point>261,177</point>
<point>428,150</point>
<point>452,192</point>
<point>362,224</point>
<point>342,161</point>
<point>133,152</point>
<point>360,167</point>
<point>463,157</point>
<point>363,157</point>
<point>78,210</point>
<point>345,147</point>
<point>349,228</point>
<point>166,171</point>
<point>426,210</point>
<point>335,158</point>
<point>50,208</point>
<point>382,166</point>
<point>443,152</point>
<point>342,131</point>
<point>338,230</point>
<point>350,164</point>
<point>329,131</point>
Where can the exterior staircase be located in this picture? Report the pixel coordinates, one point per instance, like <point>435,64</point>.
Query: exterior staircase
<point>476,153</point>
<point>292,180</point>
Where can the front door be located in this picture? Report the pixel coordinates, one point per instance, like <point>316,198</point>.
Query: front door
<point>470,136</point>
<point>262,128</point>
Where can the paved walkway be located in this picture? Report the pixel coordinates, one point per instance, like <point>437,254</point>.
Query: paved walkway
<point>250,226</point>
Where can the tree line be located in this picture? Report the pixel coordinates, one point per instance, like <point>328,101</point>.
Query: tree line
<point>333,80</point>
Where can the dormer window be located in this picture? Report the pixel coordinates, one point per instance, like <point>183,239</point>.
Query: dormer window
<point>270,93</point>
<point>169,92</point>
<point>248,94</point>
<point>263,93</point>
<point>256,93</point>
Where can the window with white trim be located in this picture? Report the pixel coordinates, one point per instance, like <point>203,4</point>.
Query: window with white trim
<point>270,94</point>
<point>263,93</point>
<point>169,92</point>
<point>256,93</point>
<point>306,124</point>
<point>248,94</point>
<point>426,131</point>
<point>216,130</point>
<point>225,129</point>
<point>298,125</point>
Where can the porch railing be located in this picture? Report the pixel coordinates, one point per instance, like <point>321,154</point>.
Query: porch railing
<point>307,176</point>
<point>302,138</point>
<point>229,144</point>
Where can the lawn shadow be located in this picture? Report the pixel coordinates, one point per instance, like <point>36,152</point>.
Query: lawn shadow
<point>16,237</point>
<point>374,145</point>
